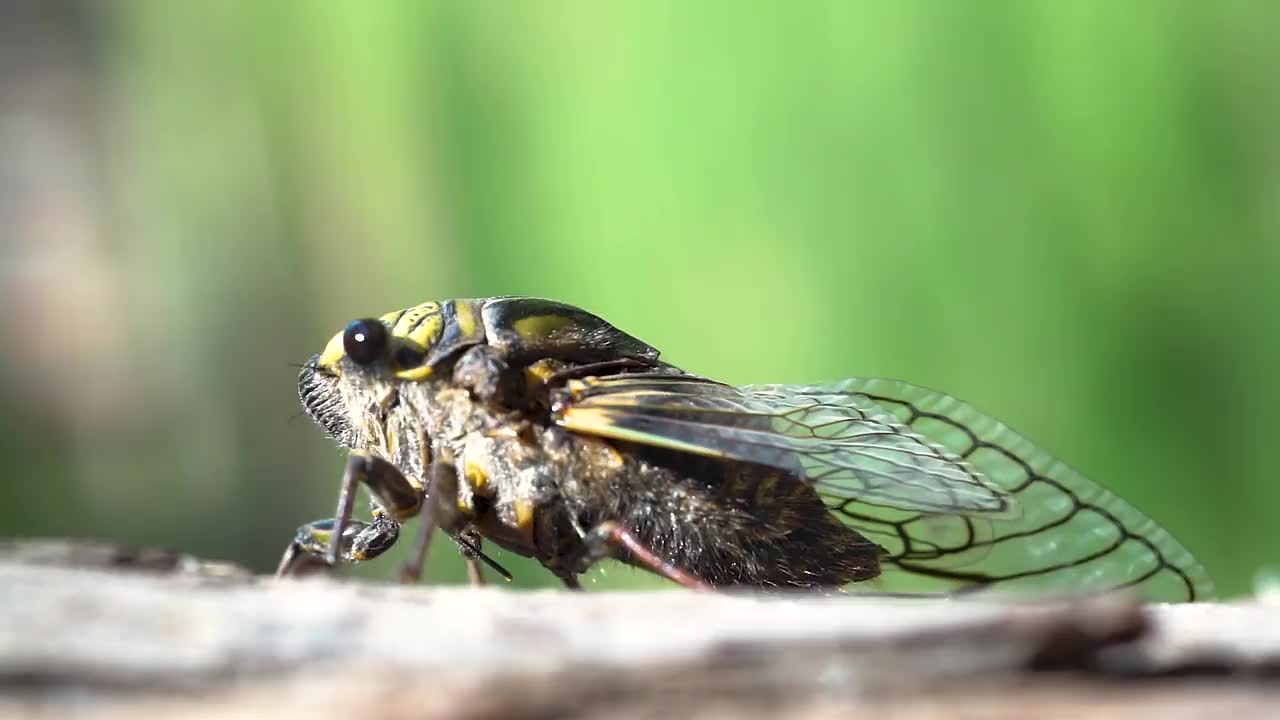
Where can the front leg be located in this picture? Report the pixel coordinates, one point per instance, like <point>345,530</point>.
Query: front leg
<point>441,510</point>
<point>469,545</point>
<point>340,538</point>
<point>359,541</point>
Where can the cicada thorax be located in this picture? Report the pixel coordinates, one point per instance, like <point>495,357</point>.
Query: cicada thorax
<point>521,330</point>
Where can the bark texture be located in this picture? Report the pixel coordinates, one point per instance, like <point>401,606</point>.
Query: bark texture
<point>102,632</point>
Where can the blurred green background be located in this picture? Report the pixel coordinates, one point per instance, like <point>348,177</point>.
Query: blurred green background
<point>1067,213</point>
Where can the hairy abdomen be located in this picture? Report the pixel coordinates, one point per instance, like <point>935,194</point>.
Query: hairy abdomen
<point>730,523</point>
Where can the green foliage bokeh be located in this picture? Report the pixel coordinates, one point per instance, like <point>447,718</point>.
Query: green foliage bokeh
<point>1062,212</point>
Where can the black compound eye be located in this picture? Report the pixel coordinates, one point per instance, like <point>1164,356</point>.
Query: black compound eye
<point>364,340</point>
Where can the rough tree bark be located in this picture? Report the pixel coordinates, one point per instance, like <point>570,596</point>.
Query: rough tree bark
<point>100,632</point>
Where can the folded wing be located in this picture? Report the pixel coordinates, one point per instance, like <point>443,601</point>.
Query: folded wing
<point>959,501</point>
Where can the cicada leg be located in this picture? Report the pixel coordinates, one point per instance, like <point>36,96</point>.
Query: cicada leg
<point>469,544</point>
<point>341,538</point>
<point>359,541</point>
<point>441,510</point>
<point>611,539</point>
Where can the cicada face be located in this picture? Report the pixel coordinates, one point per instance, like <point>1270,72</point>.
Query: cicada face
<point>361,366</point>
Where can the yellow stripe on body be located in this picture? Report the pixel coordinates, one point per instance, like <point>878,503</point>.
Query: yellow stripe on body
<point>391,318</point>
<point>537,327</point>
<point>333,352</point>
<point>524,514</point>
<point>477,477</point>
<point>410,318</point>
<point>421,372</point>
<point>593,421</point>
<point>420,324</point>
<point>465,316</point>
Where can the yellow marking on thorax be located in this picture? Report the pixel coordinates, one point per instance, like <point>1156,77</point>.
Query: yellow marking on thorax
<point>465,317</point>
<point>421,372</point>
<point>391,318</point>
<point>536,327</point>
<point>421,324</point>
<point>537,374</point>
<point>524,514</point>
<point>333,352</point>
<point>476,476</point>
<point>428,332</point>
<point>541,371</point>
<point>409,318</point>
<point>408,513</point>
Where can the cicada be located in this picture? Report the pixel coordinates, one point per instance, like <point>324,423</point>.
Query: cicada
<point>542,428</point>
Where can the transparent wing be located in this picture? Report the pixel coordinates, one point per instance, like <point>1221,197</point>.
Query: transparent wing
<point>958,500</point>
<point>847,449</point>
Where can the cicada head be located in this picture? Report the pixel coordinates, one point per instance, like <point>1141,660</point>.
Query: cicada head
<point>364,364</point>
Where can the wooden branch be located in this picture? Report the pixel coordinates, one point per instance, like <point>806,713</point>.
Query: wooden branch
<point>110,633</point>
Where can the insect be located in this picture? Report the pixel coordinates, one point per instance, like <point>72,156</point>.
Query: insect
<point>540,427</point>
